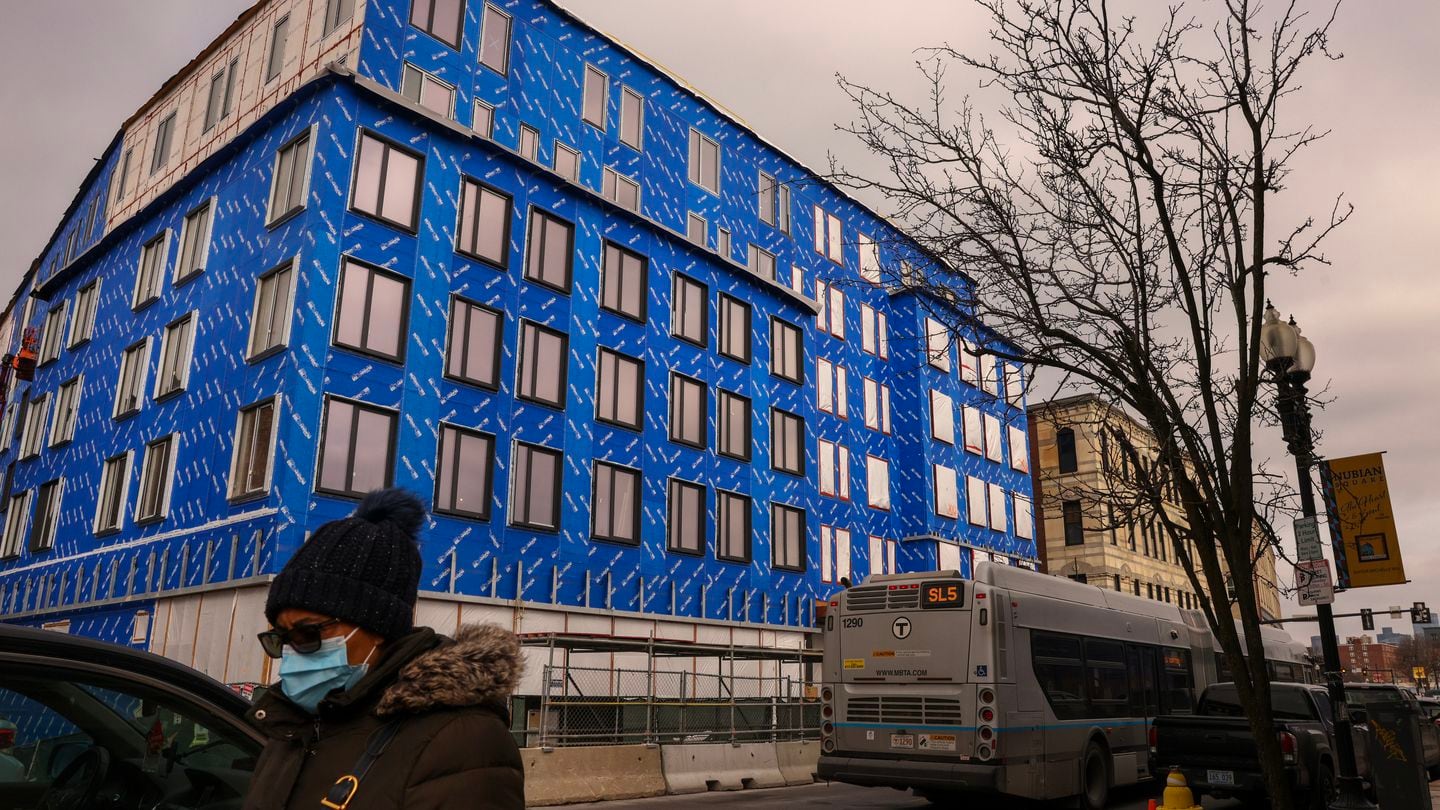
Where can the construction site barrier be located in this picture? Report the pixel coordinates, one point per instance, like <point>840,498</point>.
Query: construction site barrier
<point>797,761</point>
<point>591,774</point>
<point>720,766</point>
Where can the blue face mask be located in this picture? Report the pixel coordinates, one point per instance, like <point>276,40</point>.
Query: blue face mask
<point>307,678</point>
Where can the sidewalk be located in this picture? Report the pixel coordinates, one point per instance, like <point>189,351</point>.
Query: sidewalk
<point>1435,794</point>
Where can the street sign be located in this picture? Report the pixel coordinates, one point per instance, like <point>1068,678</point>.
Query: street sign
<point>1307,539</point>
<point>1419,673</point>
<point>1312,577</point>
<point>1367,619</point>
<point>1396,611</point>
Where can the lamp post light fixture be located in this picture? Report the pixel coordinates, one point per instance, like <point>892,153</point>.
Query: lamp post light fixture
<point>1290,357</point>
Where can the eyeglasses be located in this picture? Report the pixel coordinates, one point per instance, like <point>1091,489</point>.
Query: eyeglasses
<point>304,638</point>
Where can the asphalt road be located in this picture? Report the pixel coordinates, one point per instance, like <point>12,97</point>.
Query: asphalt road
<point>847,796</point>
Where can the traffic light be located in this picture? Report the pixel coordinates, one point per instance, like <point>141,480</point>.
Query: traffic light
<point>1367,619</point>
<point>1419,614</point>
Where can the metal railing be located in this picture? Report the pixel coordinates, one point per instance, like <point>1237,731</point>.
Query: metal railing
<point>591,706</point>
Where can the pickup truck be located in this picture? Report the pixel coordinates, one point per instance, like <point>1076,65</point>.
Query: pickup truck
<point>1215,749</point>
<point>1360,696</point>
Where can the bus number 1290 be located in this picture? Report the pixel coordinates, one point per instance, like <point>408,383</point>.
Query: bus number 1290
<point>853,622</point>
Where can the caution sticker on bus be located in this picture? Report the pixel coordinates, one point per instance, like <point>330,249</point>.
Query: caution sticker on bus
<point>937,742</point>
<point>854,663</point>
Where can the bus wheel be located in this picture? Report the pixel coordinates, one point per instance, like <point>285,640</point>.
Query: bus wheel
<point>1094,777</point>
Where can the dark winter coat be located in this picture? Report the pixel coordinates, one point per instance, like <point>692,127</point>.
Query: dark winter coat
<point>453,748</point>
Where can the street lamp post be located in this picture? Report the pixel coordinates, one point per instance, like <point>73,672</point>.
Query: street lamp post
<point>1291,357</point>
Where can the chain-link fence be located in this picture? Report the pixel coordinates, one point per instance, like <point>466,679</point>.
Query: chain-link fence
<point>585,706</point>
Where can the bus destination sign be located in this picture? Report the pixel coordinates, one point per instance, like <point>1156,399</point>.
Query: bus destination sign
<point>942,594</point>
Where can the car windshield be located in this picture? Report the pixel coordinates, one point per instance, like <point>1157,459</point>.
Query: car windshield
<point>1370,697</point>
<point>1221,700</point>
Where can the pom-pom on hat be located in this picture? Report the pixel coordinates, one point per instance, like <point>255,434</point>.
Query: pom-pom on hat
<point>364,569</point>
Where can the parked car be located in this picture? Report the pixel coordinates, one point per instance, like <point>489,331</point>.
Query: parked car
<point>1215,749</point>
<point>1359,696</point>
<point>92,725</point>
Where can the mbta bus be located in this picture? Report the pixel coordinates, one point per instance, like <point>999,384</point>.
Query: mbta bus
<point>1014,683</point>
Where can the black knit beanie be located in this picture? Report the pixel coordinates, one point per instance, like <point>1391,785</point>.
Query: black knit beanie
<point>364,569</point>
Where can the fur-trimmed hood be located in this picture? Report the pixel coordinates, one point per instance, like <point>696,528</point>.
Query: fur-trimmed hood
<point>482,664</point>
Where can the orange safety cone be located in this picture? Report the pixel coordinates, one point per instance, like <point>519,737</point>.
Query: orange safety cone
<point>1151,806</point>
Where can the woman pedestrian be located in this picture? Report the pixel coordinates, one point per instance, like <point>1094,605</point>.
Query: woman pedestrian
<point>371,712</point>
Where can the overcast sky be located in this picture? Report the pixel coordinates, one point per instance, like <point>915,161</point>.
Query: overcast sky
<point>74,69</point>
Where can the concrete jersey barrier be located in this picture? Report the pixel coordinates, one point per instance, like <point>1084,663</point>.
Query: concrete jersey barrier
<point>798,761</point>
<point>591,774</point>
<point>720,766</point>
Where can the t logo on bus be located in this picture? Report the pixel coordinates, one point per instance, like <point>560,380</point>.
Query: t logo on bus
<point>901,628</point>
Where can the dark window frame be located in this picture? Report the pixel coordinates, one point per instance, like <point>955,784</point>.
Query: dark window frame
<point>777,509</point>
<point>777,369</point>
<point>45,511</point>
<point>616,393</point>
<point>722,422</point>
<point>451,510</point>
<point>274,218</point>
<point>503,262</point>
<point>122,487</point>
<point>678,282</point>
<point>428,27</point>
<point>521,366</point>
<point>618,275</point>
<point>390,145</point>
<point>1066,460</point>
<point>635,511</point>
<point>1074,522</point>
<point>672,503</point>
<point>676,404</point>
<point>515,517</point>
<point>451,336</point>
<point>353,443</point>
<point>540,216</point>
<point>402,342</point>
<point>722,525</point>
<point>778,418</point>
<point>746,354</point>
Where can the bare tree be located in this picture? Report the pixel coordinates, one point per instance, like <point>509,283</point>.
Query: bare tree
<point>1117,223</point>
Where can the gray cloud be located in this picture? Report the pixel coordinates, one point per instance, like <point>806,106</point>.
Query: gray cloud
<point>76,68</point>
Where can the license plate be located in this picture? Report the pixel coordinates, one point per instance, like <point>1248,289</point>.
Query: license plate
<point>1220,777</point>
<point>902,740</point>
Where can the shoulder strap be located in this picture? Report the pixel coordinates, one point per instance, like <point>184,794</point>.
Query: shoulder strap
<point>339,795</point>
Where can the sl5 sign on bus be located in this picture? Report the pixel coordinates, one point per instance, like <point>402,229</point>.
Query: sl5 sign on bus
<point>1362,524</point>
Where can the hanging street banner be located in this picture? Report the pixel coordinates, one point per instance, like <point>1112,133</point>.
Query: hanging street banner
<point>1362,524</point>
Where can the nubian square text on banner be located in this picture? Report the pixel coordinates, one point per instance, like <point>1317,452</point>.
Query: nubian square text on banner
<point>1362,524</point>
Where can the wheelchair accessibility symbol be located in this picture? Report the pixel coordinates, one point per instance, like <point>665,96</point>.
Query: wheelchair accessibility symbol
<point>901,628</point>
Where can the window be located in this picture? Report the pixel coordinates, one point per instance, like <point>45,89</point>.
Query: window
<point>194,243</point>
<point>787,442</point>
<point>279,38</point>
<point>877,406</point>
<point>787,537</point>
<point>998,519</point>
<point>689,406</point>
<point>834,239</point>
<point>704,162</point>
<point>464,462</point>
<point>15,518</point>
<point>175,352</point>
<point>336,12</point>
<point>372,311</point>
<point>47,516</point>
<point>623,284</point>
<point>767,199</point>
<point>270,320</point>
<point>357,448</point>
<point>540,372</point>
<point>834,469</point>
<point>831,317</point>
<point>32,436</point>
<point>947,491</point>
<point>567,162</point>
<point>834,554</point>
<point>164,134</point>
<point>1019,449</point>
<point>690,310</point>
<point>290,181</point>
<point>977,510</point>
<point>877,482</point>
<point>529,146</point>
<point>994,448</point>
<point>762,263</point>
<point>732,416</point>
<point>215,107</point>
<point>441,19</point>
<point>597,86</point>
<point>1014,386</point>
<point>620,390</point>
<point>86,303</point>
<point>156,473</point>
<point>150,275</point>
<point>937,344</point>
<point>254,448</point>
<point>484,227</point>
<point>1074,527</point>
<point>122,177</point>
<point>535,498</point>
<point>624,192</point>
<point>974,430</point>
<point>387,182</point>
<point>428,91</point>
<point>732,530</point>
<point>114,491</point>
<point>1065,450</point>
<point>787,351</point>
<point>722,242</point>
<point>615,504</point>
<point>734,328</point>
<point>695,229</point>
<point>989,374</point>
<point>550,246</point>
<point>784,208</point>
<point>632,118</point>
<point>54,334</point>
<point>942,417</point>
<point>495,40</point>
<point>67,407</point>
<point>882,555</point>
<point>869,259</point>
<point>874,332</point>
<point>969,364</point>
<point>832,388</point>
<point>483,122</point>
<point>685,525</point>
<point>134,366</point>
<point>472,353</point>
<point>1061,673</point>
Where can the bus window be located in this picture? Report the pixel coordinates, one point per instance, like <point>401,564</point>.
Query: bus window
<point>1284,672</point>
<point>1107,682</point>
<point>1060,674</point>
<point>1177,681</point>
<point>1222,668</point>
<point>1144,699</point>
